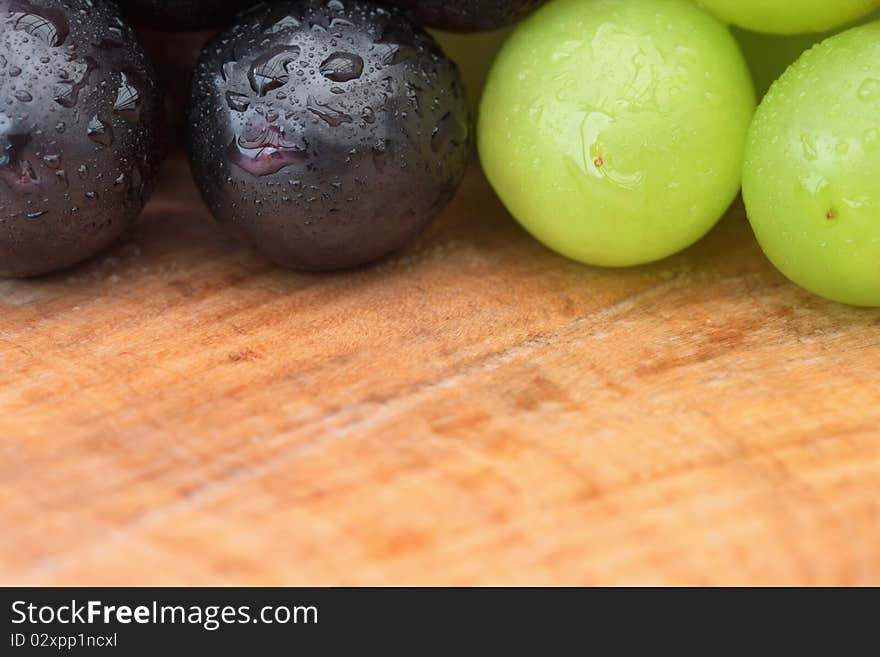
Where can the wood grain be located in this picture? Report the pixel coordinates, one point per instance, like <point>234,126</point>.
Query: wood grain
<point>476,410</point>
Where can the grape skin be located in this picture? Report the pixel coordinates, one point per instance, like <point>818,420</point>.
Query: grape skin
<point>811,179</point>
<point>790,16</point>
<point>79,132</point>
<point>608,138</point>
<point>468,15</point>
<point>327,134</point>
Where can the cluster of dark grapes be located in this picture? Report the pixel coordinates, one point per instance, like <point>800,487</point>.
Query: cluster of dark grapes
<point>326,133</point>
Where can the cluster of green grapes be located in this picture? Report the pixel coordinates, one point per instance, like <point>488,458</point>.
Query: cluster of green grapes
<point>618,132</point>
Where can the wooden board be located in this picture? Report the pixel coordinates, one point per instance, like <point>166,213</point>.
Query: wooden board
<point>476,410</point>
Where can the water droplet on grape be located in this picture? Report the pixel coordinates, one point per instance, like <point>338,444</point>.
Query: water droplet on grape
<point>100,131</point>
<point>272,69</point>
<point>52,161</point>
<point>808,147</point>
<point>237,102</point>
<point>67,90</point>
<point>330,115</point>
<point>48,25</point>
<point>381,155</point>
<point>869,91</point>
<point>265,154</point>
<point>128,101</point>
<point>342,67</point>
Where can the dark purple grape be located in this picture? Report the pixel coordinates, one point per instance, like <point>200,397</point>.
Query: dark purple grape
<point>468,15</point>
<point>327,133</point>
<point>78,122</point>
<point>182,14</point>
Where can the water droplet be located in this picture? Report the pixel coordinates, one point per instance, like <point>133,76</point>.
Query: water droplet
<point>330,115</point>
<point>23,96</point>
<point>37,214</point>
<point>67,90</point>
<point>237,102</point>
<point>808,146</point>
<point>342,67</point>
<point>381,155</point>
<point>15,169</point>
<point>264,153</point>
<point>52,161</point>
<point>283,24</point>
<point>814,182</point>
<point>858,202</point>
<point>14,72</point>
<point>593,156</point>
<point>272,70</point>
<point>869,91</point>
<point>128,101</point>
<point>401,44</point>
<point>48,25</point>
<point>100,132</point>
<point>871,139</point>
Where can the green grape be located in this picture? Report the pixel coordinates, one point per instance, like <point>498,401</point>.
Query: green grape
<point>790,16</point>
<point>811,179</point>
<point>473,52</point>
<point>614,130</point>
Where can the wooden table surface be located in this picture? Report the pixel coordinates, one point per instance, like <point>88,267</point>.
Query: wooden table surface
<point>476,410</point>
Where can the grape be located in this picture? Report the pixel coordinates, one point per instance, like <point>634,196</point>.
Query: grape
<point>812,171</point>
<point>327,134</point>
<point>78,132</point>
<point>614,130</point>
<point>790,16</point>
<point>468,15</point>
